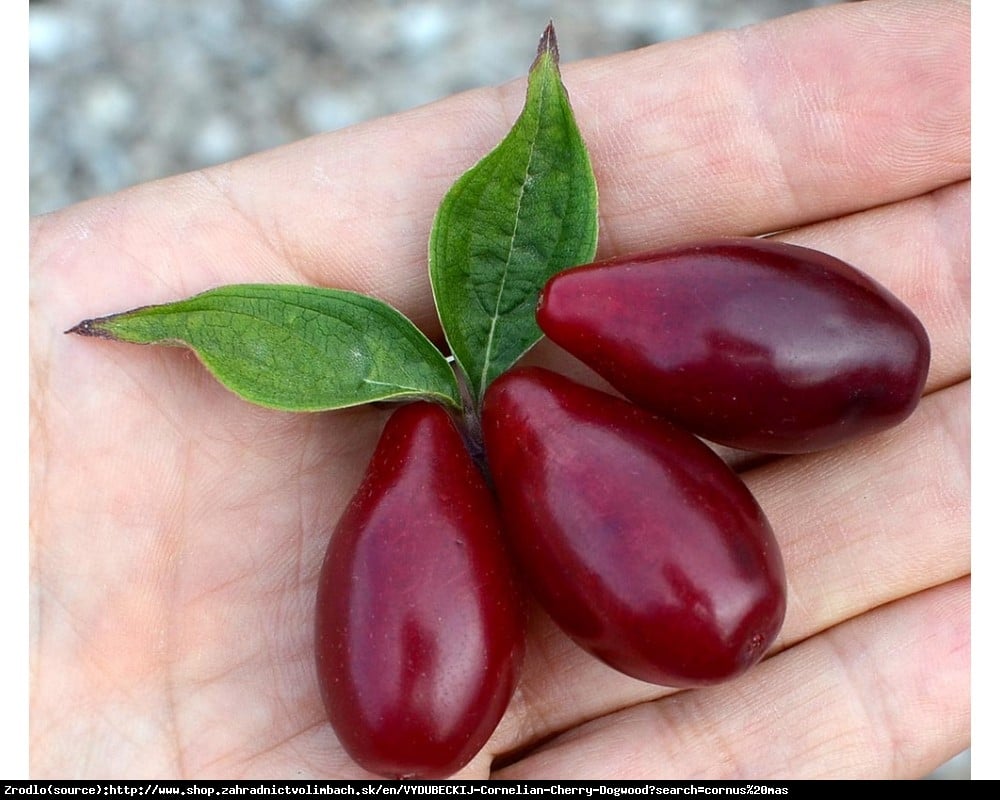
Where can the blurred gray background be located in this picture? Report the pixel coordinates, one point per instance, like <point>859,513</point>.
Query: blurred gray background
<point>125,91</point>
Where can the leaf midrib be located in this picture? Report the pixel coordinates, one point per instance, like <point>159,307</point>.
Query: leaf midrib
<point>487,359</point>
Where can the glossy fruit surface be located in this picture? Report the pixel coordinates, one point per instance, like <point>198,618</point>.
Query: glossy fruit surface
<point>638,540</point>
<point>419,623</point>
<point>751,343</point>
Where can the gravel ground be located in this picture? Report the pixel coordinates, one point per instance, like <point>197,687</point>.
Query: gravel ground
<point>125,92</point>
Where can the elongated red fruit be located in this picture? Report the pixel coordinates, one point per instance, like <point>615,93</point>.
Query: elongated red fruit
<point>747,342</point>
<point>634,535</point>
<point>419,621</point>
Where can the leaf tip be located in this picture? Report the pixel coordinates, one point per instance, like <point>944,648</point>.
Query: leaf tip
<point>91,327</point>
<point>548,45</point>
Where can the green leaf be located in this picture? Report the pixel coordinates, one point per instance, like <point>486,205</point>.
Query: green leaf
<point>523,213</point>
<point>294,348</point>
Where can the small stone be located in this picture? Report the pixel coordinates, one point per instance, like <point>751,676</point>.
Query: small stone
<point>321,110</point>
<point>423,27</point>
<point>50,35</point>
<point>217,140</point>
<point>109,104</point>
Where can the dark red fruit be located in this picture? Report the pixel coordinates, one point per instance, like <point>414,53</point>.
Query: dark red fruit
<point>637,538</point>
<point>419,623</point>
<point>751,343</point>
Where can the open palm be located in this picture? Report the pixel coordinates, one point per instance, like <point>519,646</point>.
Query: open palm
<point>177,531</point>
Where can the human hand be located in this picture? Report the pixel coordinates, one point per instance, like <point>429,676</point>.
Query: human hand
<point>177,531</point>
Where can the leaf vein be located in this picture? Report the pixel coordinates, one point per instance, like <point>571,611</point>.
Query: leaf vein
<point>491,335</point>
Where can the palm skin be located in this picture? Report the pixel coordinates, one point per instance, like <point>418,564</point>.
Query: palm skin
<point>177,531</point>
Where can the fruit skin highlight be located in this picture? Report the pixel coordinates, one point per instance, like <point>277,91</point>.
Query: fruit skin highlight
<point>419,620</point>
<point>639,541</point>
<point>751,343</point>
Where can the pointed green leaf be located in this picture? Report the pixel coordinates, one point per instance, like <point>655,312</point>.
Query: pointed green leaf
<point>295,348</point>
<point>523,213</point>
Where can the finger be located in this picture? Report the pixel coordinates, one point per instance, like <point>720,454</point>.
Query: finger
<point>859,526</point>
<point>884,695</point>
<point>815,115</point>
<point>783,123</point>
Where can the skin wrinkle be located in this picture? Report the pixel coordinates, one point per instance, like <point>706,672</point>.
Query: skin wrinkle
<point>713,738</point>
<point>291,739</point>
<point>167,582</point>
<point>938,19</point>
<point>40,676</point>
<point>171,680</point>
<point>92,663</point>
<point>773,44</point>
<point>902,747</point>
<point>899,747</point>
<point>957,254</point>
<point>207,682</point>
<point>753,75</point>
<point>278,248</point>
<point>530,720</point>
<point>277,592</point>
<point>947,199</point>
<point>301,536</point>
<point>869,709</point>
<point>41,454</point>
<point>80,625</point>
<point>41,448</point>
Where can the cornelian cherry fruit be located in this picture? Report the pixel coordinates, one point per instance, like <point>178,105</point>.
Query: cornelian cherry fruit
<point>419,619</point>
<point>751,343</point>
<point>639,541</point>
